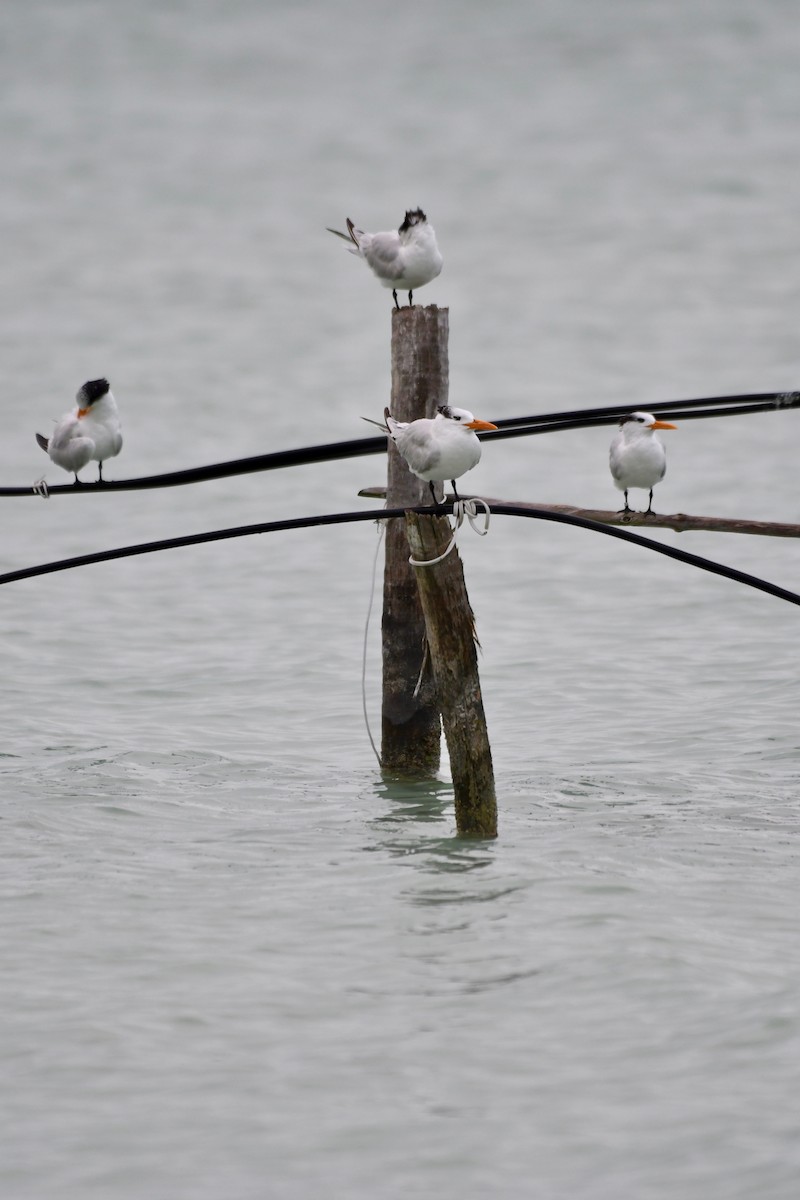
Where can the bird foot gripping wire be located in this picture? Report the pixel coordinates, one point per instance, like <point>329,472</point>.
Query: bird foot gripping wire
<point>461,509</point>
<point>40,488</point>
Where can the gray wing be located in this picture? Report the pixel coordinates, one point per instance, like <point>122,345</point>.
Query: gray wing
<point>383,253</point>
<point>615,456</point>
<point>67,431</point>
<point>421,454</point>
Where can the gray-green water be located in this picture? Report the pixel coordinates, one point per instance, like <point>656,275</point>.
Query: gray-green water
<point>235,961</point>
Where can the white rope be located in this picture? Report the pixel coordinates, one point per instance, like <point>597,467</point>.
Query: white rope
<point>381,528</point>
<point>418,684</point>
<point>461,509</point>
<point>40,488</point>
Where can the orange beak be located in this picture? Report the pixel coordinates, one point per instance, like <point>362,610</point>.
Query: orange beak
<point>82,412</point>
<point>662,425</point>
<point>480,425</point>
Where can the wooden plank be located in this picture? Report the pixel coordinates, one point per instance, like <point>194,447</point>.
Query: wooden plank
<point>679,522</point>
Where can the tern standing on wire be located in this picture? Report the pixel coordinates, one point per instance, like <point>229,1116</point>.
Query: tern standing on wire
<point>637,457</point>
<point>91,431</point>
<point>406,258</point>
<point>444,447</point>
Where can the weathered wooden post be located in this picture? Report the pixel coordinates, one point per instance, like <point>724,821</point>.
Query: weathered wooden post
<point>450,626</point>
<point>430,663</point>
<point>411,727</point>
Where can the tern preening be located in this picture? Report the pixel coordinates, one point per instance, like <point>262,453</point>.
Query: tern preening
<point>91,431</point>
<point>637,457</point>
<point>406,258</point>
<point>439,448</point>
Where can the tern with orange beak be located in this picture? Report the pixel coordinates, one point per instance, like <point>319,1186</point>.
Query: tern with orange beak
<point>444,447</point>
<point>91,431</point>
<point>637,457</point>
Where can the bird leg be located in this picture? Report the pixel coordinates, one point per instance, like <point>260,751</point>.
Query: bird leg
<point>455,491</point>
<point>649,508</point>
<point>100,469</point>
<point>394,293</point>
<point>438,504</point>
<point>410,300</point>
<point>627,509</point>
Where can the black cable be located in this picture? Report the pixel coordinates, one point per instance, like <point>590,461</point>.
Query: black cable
<point>197,539</point>
<point>763,400</point>
<point>523,430</point>
<point>511,510</point>
<point>625,535</point>
<point>511,427</point>
<point>237,466</point>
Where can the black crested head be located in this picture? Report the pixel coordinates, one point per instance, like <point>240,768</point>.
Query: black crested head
<point>638,418</point>
<point>92,390</point>
<point>414,216</point>
<point>445,410</point>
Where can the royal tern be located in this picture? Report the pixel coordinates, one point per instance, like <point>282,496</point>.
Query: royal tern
<point>439,448</point>
<point>91,431</point>
<point>406,258</point>
<point>637,456</point>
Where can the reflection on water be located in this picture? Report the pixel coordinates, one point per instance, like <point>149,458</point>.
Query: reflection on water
<point>424,803</point>
<point>413,800</point>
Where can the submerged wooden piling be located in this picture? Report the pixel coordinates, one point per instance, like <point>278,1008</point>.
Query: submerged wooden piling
<point>411,727</point>
<point>430,664</point>
<point>450,626</point>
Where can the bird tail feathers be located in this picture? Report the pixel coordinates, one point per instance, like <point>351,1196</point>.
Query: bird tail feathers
<point>392,425</point>
<point>353,235</point>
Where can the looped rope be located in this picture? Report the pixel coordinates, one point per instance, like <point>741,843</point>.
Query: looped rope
<point>461,509</point>
<point>40,488</point>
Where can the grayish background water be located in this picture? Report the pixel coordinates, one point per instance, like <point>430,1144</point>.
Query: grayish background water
<point>236,962</point>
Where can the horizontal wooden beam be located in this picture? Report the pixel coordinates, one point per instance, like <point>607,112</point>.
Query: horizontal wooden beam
<point>679,522</point>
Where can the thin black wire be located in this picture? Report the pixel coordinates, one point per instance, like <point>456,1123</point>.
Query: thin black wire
<point>237,466</point>
<point>521,430</point>
<point>511,427</point>
<point>511,510</point>
<point>609,413</point>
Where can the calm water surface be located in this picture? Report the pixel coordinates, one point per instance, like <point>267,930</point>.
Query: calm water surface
<point>236,961</point>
